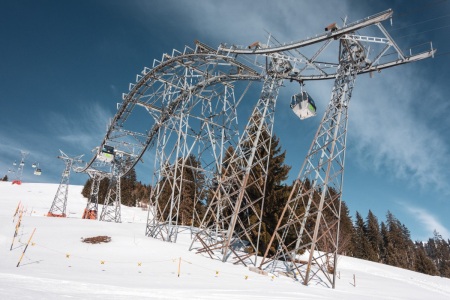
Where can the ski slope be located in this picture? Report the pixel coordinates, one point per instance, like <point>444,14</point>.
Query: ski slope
<point>58,265</point>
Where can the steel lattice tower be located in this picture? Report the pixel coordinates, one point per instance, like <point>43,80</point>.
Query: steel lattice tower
<point>232,222</point>
<point>91,210</point>
<point>58,208</point>
<point>175,91</point>
<point>190,144</point>
<point>111,211</point>
<point>310,219</point>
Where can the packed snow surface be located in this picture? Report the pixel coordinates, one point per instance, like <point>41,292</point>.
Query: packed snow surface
<point>57,264</point>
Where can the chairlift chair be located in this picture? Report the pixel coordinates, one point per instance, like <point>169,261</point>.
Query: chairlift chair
<point>303,105</point>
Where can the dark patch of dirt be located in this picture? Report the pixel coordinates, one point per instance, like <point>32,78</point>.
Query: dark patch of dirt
<point>97,239</point>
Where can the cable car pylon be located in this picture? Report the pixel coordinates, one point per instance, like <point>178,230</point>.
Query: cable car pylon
<point>111,211</point>
<point>305,242</point>
<point>58,208</point>
<point>91,210</point>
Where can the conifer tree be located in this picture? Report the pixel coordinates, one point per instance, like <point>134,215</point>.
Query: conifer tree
<point>374,235</point>
<point>384,242</point>
<point>361,245</point>
<point>192,181</point>
<point>127,187</point>
<point>276,193</point>
<point>346,231</point>
<point>400,248</point>
<point>86,191</point>
<point>191,206</point>
<point>423,263</point>
<point>440,254</point>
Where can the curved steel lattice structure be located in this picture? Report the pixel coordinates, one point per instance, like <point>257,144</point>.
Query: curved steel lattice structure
<point>190,109</point>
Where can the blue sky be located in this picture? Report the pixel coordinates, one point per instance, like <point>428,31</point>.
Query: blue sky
<point>65,64</point>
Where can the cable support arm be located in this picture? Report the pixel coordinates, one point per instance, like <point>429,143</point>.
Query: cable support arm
<point>372,68</point>
<point>352,27</point>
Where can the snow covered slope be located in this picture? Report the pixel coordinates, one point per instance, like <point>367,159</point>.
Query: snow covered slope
<point>58,265</point>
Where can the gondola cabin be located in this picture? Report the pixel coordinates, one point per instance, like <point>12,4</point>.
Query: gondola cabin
<point>303,105</point>
<point>37,172</point>
<point>34,165</point>
<point>106,154</point>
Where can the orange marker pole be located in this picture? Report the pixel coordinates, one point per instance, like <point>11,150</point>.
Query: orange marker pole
<point>17,210</point>
<point>23,253</point>
<point>16,231</point>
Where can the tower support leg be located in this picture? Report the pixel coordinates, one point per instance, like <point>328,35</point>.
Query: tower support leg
<point>306,238</point>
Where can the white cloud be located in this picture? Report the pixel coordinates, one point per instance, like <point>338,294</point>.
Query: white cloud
<point>390,129</point>
<point>83,129</point>
<point>430,221</point>
<point>76,132</point>
<point>240,22</point>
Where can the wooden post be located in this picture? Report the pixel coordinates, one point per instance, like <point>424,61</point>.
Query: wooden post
<point>354,280</point>
<point>179,266</point>
<point>17,210</point>
<point>16,230</point>
<point>23,253</point>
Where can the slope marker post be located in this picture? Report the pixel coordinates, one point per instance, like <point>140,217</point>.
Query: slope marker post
<point>23,253</point>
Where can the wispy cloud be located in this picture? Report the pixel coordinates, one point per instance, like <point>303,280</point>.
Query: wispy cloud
<point>430,221</point>
<point>83,129</point>
<point>76,132</point>
<point>241,22</point>
<point>391,133</point>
